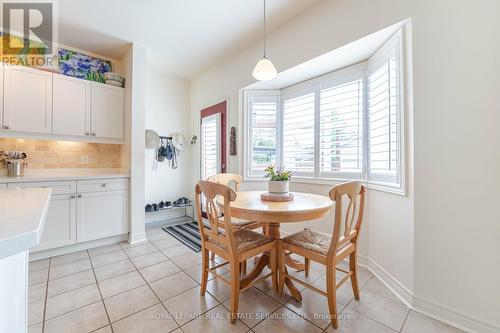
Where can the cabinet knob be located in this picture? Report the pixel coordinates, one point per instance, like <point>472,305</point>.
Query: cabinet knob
<point>103,185</point>
<point>6,127</point>
<point>87,133</point>
<point>93,133</point>
<point>72,196</point>
<point>79,196</point>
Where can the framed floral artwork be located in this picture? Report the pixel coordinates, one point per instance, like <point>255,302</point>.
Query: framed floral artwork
<point>82,66</point>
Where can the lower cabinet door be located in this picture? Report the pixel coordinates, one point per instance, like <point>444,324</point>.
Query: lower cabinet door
<point>3,185</point>
<point>101,215</point>
<point>60,225</point>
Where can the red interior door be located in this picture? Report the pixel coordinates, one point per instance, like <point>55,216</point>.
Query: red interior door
<point>213,140</point>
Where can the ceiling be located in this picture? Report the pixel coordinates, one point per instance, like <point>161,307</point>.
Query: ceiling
<point>189,35</point>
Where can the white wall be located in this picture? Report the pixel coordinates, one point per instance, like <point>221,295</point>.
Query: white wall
<point>441,242</point>
<point>167,111</point>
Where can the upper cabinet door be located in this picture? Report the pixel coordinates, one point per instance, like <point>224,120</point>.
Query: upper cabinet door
<point>107,111</point>
<point>27,100</point>
<point>71,106</point>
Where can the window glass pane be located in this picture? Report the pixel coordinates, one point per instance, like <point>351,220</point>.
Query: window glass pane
<point>341,128</point>
<point>298,135</point>
<point>263,135</point>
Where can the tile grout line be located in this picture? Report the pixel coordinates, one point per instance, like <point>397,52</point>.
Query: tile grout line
<point>46,296</point>
<point>100,293</point>
<point>404,321</point>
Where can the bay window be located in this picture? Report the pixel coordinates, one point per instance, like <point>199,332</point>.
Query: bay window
<point>341,126</point>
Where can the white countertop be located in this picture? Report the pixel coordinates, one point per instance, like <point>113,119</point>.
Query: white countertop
<point>22,218</point>
<point>33,175</point>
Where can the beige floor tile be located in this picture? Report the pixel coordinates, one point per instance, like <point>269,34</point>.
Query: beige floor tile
<point>418,323</point>
<point>155,234</point>
<point>132,301</point>
<point>215,320</point>
<point>195,273</point>
<point>166,243</point>
<point>285,321</point>
<point>140,250</point>
<point>62,270</point>
<point>344,293</point>
<point>38,265</point>
<point>189,305</point>
<point>378,287</point>
<point>158,271</point>
<point>71,282</point>
<point>105,329</point>
<point>188,260</point>
<point>85,319</point>
<point>314,307</point>
<point>381,309</point>
<point>37,292</point>
<point>35,312</point>
<point>354,322</point>
<point>152,320</point>
<point>177,251</point>
<point>38,276</point>
<point>67,258</point>
<point>254,306</point>
<point>363,274</point>
<point>108,258</point>
<point>71,300</point>
<point>172,285</point>
<point>104,249</point>
<point>36,328</point>
<point>112,270</point>
<point>149,259</point>
<point>267,288</point>
<point>120,284</point>
<point>219,289</point>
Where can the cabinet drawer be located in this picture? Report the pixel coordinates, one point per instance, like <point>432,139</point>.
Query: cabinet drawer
<point>102,185</point>
<point>62,187</point>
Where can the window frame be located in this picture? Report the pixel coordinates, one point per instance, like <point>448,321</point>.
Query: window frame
<point>356,71</point>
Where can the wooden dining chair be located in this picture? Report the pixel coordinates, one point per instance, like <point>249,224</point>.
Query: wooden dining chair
<point>232,244</point>
<point>234,180</point>
<point>330,250</point>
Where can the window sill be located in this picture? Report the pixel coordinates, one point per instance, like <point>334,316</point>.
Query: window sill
<point>332,182</point>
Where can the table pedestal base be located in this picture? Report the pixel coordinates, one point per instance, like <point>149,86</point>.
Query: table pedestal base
<point>273,230</point>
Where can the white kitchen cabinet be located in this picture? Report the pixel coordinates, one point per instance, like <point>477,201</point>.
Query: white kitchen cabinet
<point>107,109</point>
<point>27,100</point>
<point>101,214</point>
<point>60,226</point>
<point>71,105</point>
<point>3,185</point>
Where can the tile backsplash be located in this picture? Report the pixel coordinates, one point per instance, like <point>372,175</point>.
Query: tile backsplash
<point>65,154</point>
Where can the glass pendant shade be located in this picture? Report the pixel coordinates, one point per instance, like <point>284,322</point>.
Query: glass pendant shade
<point>264,70</point>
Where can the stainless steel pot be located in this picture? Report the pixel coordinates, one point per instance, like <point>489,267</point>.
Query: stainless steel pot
<point>16,168</point>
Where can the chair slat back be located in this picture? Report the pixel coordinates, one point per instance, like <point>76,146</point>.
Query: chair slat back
<point>211,191</point>
<point>346,226</point>
<point>229,179</point>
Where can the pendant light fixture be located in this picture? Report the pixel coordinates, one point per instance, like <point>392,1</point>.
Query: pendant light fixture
<point>264,70</point>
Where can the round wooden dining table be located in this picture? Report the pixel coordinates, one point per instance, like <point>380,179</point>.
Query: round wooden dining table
<point>304,207</point>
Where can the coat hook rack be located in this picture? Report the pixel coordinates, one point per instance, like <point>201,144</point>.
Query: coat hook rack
<point>165,137</point>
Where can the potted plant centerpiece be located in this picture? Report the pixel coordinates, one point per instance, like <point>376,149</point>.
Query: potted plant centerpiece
<point>278,180</point>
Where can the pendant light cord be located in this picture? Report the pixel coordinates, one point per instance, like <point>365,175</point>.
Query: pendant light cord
<point>264,28</point>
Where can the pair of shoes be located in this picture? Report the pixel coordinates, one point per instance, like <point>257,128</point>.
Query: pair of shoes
<point>149,208</point>
<point>165,205</point>
<point>181,202</point>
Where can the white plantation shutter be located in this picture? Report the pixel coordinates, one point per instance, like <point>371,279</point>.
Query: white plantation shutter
<point>341,130</point>
<point>210,146</point>
<point>384,118</point>
<point>262,119</point>
<point>298,134</point>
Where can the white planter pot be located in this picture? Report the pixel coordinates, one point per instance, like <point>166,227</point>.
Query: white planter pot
<point>278,187</point>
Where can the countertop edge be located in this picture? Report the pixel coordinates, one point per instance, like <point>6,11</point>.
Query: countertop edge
<point>27,240</point>
<point>7,180</point>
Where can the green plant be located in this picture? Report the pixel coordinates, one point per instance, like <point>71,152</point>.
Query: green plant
<point>277,174</point>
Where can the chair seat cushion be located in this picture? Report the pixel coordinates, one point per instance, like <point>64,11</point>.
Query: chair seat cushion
<point>311,240</point>
<point>246,240</point>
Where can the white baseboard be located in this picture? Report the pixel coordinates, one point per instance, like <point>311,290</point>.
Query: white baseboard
<point>138,238</point>
<point>429,308</point>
